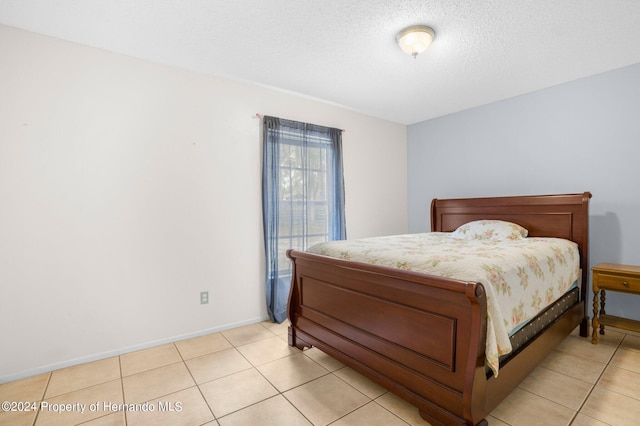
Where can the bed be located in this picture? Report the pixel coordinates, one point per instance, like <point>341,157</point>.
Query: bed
<point>423,336</point>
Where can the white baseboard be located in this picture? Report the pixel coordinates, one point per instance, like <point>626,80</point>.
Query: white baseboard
<point>95,357</point>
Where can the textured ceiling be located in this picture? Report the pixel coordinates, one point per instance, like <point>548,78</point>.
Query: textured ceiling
<point>344,51</point>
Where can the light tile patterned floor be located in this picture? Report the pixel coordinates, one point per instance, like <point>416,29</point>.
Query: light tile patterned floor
<point>250,376</point>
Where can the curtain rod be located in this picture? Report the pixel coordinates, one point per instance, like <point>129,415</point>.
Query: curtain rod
<point>258,115</point>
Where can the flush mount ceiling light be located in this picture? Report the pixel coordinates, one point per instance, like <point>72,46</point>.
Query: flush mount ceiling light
<point>415,40</point>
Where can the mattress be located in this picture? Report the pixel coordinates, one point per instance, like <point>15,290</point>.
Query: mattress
<point>521,277</point>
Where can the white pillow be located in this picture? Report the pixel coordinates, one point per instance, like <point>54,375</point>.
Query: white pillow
<point>490,230</point>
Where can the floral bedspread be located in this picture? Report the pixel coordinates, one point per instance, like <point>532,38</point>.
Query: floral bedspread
<point>520,277</point>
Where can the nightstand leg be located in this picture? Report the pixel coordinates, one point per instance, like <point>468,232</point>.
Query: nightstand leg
<point>602,311</point>
<point>594,320</point>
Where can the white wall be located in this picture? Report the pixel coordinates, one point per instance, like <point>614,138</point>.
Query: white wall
<point>579,136</point>
<point>127,187</point>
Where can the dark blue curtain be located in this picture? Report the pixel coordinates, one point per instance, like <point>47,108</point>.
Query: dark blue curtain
<point>302,198</point>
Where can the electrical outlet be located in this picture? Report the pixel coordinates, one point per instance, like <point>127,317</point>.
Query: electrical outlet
<point>204,297</point>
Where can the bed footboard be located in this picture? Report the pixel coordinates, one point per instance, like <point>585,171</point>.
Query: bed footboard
<point>421,337</point>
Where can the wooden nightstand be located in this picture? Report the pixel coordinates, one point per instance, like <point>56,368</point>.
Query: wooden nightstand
<point>613,277</point>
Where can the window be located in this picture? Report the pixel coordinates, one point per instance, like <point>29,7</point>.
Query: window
<point>302,198</point>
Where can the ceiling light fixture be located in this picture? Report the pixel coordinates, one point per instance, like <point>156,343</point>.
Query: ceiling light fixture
<point>415,40</point>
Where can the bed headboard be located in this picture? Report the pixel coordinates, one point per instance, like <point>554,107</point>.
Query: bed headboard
<point>561,216</point>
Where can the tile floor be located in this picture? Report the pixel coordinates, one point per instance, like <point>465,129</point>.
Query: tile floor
<point>250,376</point>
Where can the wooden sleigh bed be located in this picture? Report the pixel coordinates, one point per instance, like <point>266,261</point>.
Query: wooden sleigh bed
<point>423,337</point>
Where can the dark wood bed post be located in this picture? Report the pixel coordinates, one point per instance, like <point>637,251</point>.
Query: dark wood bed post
<point>475,381</point>
<point>585,289</point>
<point>293,306</point>
<point>584,259</point>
